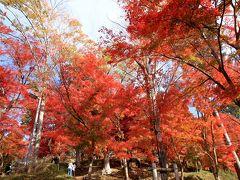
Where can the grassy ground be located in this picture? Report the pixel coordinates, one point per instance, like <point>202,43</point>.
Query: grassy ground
<point>206,175</point>
<point>48,171</point>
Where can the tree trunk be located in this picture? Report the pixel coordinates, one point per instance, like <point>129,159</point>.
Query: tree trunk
<point>228,140</point>
<point>30,153</point>
<point>179,159</point>
<point>156,122</point>
<point>196,166</point>
<point>182,175</point>
<point>163,161</point>
<point>175,168</point>
<point>1,166</point>
<point>207,149</point>
<point>215,161</point>
<point>1,158</point>
<point>106,166</point>
<point>237,170</point>
<point>78,156</point>
<point>154,170</point>
<point>160,147</point>
<point>151,91</point>
<point>39,131</point>
<point>125,166</point>
<point>90,169</point>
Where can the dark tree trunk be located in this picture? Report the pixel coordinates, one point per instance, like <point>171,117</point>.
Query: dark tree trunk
<point>78,156</point>
<point>163,162</point>
<point>237,170</point>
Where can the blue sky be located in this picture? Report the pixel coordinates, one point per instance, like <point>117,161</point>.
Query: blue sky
<point>93,14</point>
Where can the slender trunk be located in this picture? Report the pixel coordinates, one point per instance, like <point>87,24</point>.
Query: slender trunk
<point>78,156</point>
<point>163,161</point>
<point>125,169</point>
<point>91,161</point>
<point>33,137</point>
<point>199,163</point>
<point>1,158</point>
<point>216,176</point>
<point>154,170</point>
<point>148,70</point>
<point>122,166</point>
<point>106,167</point>
<point>179,159</point>
<point>215,162</point>
<point>1,166</point>
<point>182,175</point>
<point>90,168</point>
<point>175,168</point>
<point>156,121</point>
<point>207,149</point>
<point>39,131</point>
<point>228,141</point>
<point>196,166</point>
<point>237,170</point>
<point>206,144</point>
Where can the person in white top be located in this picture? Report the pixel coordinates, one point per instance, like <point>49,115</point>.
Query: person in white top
<point>70,169</point>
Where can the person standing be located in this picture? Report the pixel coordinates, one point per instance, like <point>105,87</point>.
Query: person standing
<point>70,169</point>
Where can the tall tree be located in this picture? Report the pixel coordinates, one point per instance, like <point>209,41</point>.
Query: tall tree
<point>204,35</point>
<point>39,26</point>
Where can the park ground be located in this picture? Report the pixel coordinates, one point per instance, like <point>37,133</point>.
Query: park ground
<point>45,171</point>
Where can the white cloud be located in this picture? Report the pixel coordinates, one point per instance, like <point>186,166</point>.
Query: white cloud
<point>93,14</point>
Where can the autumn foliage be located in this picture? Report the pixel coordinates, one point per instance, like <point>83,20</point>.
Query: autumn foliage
<point>148,92</point>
